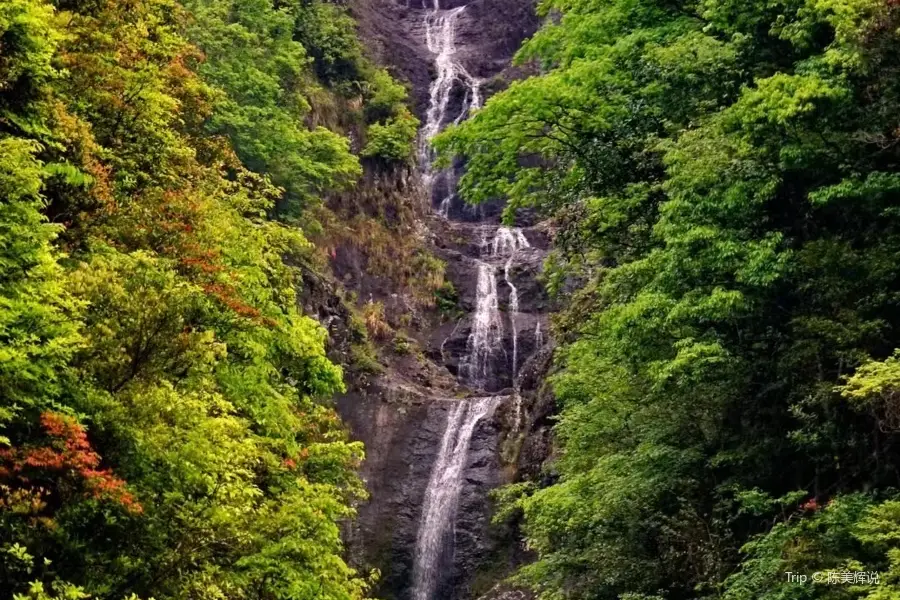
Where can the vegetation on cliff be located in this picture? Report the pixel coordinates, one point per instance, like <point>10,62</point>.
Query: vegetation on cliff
<point>725,176</point>
<point>165,429</point>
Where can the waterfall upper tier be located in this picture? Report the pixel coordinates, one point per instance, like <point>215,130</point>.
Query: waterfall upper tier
<point>452,76</point>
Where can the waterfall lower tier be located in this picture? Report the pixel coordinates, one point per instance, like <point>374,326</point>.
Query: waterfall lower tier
<point>442,495</point>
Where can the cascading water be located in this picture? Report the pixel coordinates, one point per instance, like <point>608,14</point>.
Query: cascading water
<point>513,311</point>
<point>509,241</point>
<point>440,38</point>
<point>435,446</point>
<point>486,338</point>
<point>444,487</point>
<point>484,344</point>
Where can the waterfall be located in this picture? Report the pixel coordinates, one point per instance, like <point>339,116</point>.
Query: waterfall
<point>508,241</point>
<point>440,38</point>
<point>485,340</point>
<point>444,209</point>
<point>513,311</point>
<point>518,404</point>
<point>442,494</point>
<point>486,337</point>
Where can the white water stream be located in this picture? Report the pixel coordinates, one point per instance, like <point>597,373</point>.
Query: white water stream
<point>440,38</point>
<point>486,336</point>
<point>485,341</point>
<point>444,487</point>
<point>508,241</point>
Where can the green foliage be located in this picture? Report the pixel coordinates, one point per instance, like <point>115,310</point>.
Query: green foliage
<point>875,385</point>
<point>329,34</point>
<point>818,543</point>
<point>852,534</point>
<point>252,57</point>
<point>447,299</point>
<point>402,344</point>
<point>723,178</point>
<point>395,139</point>
<point>60,591</point>
<point>165,429</point>
<point>364,359</point>
<point>385,96</point>
<point>37,335</point>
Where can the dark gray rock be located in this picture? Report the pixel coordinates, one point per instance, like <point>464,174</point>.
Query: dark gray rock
<point>489,33</point>
<point>402,429</point>
<point>401,415</point>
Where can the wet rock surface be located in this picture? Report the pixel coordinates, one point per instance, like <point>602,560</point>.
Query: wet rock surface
<point>486,35</point>
<point>489,33</point>
<point>515,272</point>
<point>413,417</point>
<point>402,428</point>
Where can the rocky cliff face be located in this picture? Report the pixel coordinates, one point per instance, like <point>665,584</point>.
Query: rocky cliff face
<point>488,34</point>
<point>465,411</point>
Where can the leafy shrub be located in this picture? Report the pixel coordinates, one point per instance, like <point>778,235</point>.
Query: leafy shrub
<point>447,299</point>
<point>386,97</point>
<point>329,35</point>
<point>395,139</point>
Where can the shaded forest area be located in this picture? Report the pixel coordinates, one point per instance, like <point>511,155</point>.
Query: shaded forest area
<point>725,177</point>
<point>166,427</point>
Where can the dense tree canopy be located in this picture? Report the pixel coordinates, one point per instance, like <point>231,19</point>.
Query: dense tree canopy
<point>725,177</point>
<point>164,424</point>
